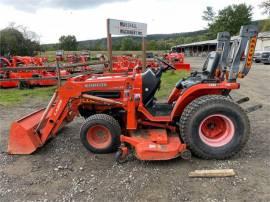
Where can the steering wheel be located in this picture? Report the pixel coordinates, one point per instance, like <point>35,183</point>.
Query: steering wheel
<point>169,66</point>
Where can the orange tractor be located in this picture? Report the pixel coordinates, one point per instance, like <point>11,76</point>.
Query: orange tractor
<point>122,114</point>
<point>177,59</point>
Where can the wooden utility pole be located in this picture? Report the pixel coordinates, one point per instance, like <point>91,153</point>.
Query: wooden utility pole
<point>143,53</point>
<point>109,44</point>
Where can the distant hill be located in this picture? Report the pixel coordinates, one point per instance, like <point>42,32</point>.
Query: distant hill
<point>155,41</point>
<point>97,44</point>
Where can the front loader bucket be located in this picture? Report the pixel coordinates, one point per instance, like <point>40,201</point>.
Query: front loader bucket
<point>23,138</point>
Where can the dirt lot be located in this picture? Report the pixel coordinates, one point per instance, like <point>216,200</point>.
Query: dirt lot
<point>64,171</point>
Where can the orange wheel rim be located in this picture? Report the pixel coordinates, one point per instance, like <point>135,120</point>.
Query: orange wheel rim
<point>99,136</point>
<point>216,130</point>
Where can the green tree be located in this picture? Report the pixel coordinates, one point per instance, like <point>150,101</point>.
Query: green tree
<point>151,45</point>
<point>265,5</point>
<point>116,44</point>
<point>230,19</point>
<point>209,15</point>
<point>98,46</point>
<point>264,26</point>
<point>68,42</point>
<point>163,45</point>
<point>128,43</point>
<point>13,41</point>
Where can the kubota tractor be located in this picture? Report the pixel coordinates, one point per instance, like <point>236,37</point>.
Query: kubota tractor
<point>122,114</point>
<point>177,60</point>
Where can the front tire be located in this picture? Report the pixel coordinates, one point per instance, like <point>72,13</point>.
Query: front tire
<point>214,127</point>
<point>100,134</point>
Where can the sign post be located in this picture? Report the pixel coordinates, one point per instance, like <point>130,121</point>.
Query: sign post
<point>109,44</point>
<point>121,27</point>
<point>143,54</point>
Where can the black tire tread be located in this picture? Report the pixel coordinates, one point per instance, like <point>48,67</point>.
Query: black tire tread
<point>106,118</point>
<point>193,107</point>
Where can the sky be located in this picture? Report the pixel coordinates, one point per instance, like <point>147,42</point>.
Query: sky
<point>86,19</point>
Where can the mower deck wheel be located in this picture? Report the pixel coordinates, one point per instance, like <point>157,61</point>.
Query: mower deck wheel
<point>100,133</point>
<point>214,127</point>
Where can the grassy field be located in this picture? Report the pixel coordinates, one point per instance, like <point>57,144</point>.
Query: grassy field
<point>168,81</point>
<point>9,97</point>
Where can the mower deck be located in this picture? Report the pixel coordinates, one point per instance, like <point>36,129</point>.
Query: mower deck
<point>154,144</point>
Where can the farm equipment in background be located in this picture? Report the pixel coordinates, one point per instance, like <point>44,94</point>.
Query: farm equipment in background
<point>177,60</point>
<point>4,62</point>
<point>124,63</point>
<point>83,57</point>
<point>121,110</point>
<point>26,61</point>
<point>15,60</point>
<point>128,63</point>
<point>59,55</point>
<point>21,61</point>
<point>40,61</point>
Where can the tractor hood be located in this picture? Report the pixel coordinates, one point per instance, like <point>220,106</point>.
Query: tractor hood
<point>106,82</point>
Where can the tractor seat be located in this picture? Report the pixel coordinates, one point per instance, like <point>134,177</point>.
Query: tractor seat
<point>207,74</point>
<point>150,84</point>
<point>211,64</point>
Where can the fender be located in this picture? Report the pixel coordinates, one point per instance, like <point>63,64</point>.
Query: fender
<point>174,95</point>
<point>199,90</point>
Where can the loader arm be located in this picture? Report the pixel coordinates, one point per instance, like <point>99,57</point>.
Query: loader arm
<point>33,131</point>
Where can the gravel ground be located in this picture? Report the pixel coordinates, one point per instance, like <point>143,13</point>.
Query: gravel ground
<point>64,171</point>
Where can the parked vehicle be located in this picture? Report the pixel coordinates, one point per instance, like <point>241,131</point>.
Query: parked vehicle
<point>257,56</point>
<point>265,57</point>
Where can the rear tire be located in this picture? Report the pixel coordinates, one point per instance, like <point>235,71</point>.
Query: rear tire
<point>214,127</point>
<point>100,134</point>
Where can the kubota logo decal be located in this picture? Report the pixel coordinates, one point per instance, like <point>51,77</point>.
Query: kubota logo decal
<point>251,50</point>
<point>212,84</point>
<point>94,85</point>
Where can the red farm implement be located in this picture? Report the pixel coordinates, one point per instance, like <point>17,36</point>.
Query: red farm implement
<point>177,60</point>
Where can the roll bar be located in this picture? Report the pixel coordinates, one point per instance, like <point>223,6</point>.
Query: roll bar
<point>223,46</point>
<point>248,38</point>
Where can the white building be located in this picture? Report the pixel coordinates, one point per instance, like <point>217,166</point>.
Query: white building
<point>263,42</point>
<point>202,48</point>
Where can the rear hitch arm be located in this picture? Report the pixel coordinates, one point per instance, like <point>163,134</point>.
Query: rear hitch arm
<point>242,100</point>
<point>253,108</point>
<point>249,109</point>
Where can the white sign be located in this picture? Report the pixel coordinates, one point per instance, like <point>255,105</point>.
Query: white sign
<point>121,27</point>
